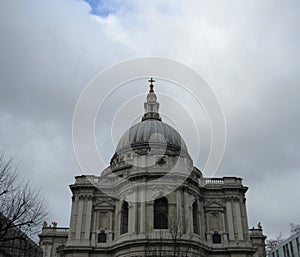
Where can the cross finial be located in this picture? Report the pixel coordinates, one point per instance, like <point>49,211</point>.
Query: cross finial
<point>151,105</point>
<point>151,80</point>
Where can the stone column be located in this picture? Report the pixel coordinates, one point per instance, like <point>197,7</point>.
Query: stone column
<point>134,218</point>
<point>142,211</point>
<point>94,228</point>
<point>225,238</point>
<point>79,217</point>
<point>199,219</point>
<point>187,212</point>
<point>117,219</point>
<point>88,220</point>
<point>238,219</point>
<point>223,222</point>
<point>72,229</point>
<point>244,218</point>
<point>230,219</point>
<point>110,215</point>
<point>190,217</point>
<point>130,218</point>
<point>179,209</point>
<point>202,220</point>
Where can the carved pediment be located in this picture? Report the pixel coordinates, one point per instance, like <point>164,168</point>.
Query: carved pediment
<point>214,204</point>
<point>104,204</point>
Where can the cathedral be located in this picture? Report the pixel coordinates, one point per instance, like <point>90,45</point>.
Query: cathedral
<point>152,201</point>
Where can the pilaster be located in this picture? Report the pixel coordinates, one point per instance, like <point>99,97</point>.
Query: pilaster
<point>229,215</point>
<point>130,219</point>
<point>72,230</point>
<point>244,219</point>
<point>79,217</point>
<point>89,207</point>
<point>143,211</point>
<point>117,219</point>
<point>202,219</point>
<point>238,219</point>
<point>187,212</point>
<point>134,218</point>
<point>179,208</point>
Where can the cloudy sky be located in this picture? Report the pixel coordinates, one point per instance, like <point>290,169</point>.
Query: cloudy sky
<point>247,50</point>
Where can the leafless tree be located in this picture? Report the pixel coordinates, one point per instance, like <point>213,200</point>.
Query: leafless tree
<point>273,242</point>
<point>155,246</point>
<point>22,210</point>
<point>171,242</point>
<point>177,230</point>
<point>294,228</point>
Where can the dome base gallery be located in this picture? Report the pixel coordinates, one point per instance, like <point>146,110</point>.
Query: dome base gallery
<point>201,217</point>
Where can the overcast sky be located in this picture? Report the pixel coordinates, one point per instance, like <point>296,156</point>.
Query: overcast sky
<point>247,50</point>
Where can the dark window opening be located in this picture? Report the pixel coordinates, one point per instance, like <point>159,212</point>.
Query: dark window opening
<point>161,161</point>
<point>216,238</point>
<point>195,218</point>
<point>102,237</point>
<point>124,218</point>
<point>161,213</point>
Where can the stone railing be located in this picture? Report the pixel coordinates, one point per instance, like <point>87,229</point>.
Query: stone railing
<point>214,181</point>
<point>88,179</point>
<point>55,229</point>
<point>231,181</point>
<point>116,181</point>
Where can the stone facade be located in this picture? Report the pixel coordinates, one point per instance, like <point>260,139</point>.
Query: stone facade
<point>53,240</point>
<point>126,211</point>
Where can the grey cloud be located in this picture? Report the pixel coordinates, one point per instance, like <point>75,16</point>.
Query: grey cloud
<point>247,50</point>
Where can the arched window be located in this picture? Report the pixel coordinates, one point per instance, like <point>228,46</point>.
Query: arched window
<point>161,213</point>
<point>195,218</point>
<point>124,218</point>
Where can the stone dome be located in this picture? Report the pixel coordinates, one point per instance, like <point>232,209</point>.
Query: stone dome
<point>151,136</point>
<point>152,133</point>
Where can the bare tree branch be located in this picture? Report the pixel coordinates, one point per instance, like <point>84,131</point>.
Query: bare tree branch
<point>294,228</point>
<point>273,242</point>
<point>22,210</point>
<point>171,242</point>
